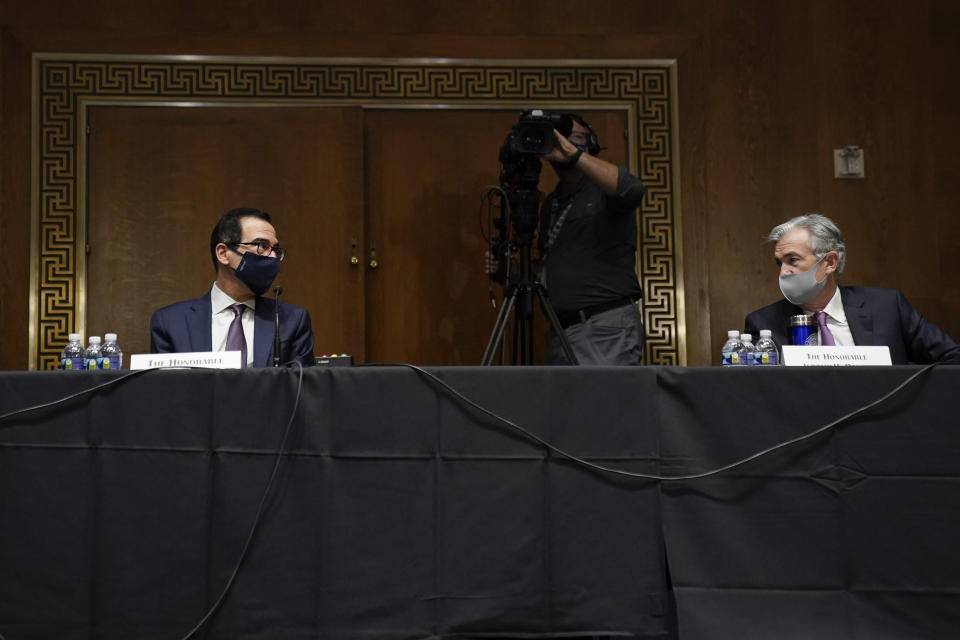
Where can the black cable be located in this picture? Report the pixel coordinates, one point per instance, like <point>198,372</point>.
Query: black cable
<point>486,198</point>
<point>692,476</point>
<point>257,519</point>
<point>65,399</point>
<point>263,500</point>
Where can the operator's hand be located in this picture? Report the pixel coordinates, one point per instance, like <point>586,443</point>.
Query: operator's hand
<point>563,152</point>
<point>492,264</point>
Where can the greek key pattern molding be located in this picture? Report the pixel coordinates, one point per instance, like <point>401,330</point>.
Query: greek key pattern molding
<point>64,83</point>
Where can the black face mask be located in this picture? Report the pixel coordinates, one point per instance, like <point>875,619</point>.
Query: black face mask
<point>257,272</point>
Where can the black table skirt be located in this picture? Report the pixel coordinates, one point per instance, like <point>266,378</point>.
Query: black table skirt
<point>400,511</point>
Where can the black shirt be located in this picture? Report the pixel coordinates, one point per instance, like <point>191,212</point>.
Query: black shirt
<point>593,260</point>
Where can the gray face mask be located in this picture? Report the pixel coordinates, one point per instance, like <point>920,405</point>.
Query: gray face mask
<point>801,288</point>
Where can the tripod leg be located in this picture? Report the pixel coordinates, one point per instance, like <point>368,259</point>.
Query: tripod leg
<point>523,319</point>
<point>557,328</point>
<point>496,336</point>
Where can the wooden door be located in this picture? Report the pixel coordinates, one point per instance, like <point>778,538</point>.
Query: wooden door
<point>159,178</point>
<point>428,302</point>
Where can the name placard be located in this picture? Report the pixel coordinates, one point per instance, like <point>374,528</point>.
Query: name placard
<point>804,356</point>
<point>204,359</point>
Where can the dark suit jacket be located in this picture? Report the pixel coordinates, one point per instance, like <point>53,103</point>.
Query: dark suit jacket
<point>186,326</point>
<point>876,316</point>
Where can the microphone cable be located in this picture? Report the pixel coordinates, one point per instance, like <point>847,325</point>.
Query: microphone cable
<point>68,398</point>
<point>652,476</point>
<point>281,452</point>
<point>258,517</point>
<point>276,325</point>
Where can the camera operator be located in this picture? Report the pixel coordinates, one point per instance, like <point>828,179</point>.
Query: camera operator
<point>588,248</point>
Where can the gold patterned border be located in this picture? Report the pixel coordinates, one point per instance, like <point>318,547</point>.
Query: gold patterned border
<point>64,84</point>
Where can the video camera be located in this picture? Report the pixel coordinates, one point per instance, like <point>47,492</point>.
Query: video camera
<point>529,139</point>
<point>533,133</point>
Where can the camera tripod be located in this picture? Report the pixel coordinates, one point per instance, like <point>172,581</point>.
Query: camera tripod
<point>523,292</point>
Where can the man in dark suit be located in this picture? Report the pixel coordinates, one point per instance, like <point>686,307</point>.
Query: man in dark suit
<point>811,253</point>
<point>232,315</point>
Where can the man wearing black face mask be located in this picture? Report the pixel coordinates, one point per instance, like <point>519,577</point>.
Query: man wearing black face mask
<point>233,315</point>
<point>811,253</point>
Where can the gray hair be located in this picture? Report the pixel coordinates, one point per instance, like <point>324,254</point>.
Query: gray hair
<point>825,236</point>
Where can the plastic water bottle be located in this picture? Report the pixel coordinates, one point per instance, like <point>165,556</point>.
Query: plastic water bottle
<point>93,353</point>
<point>72,357</point>
<point>732,349</point>
<point>766,352</point>
<point>111,355</point>
<point>748,349</point>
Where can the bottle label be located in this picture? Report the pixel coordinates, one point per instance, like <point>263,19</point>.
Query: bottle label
<point>93,363</point>
<point>110,362</point>
<point>73,364</point>
<point>735,358</point>
<point>769,357</point>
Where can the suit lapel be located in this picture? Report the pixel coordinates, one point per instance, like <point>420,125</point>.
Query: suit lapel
<point>200,324</point>
<point>859,319</point>
<point>263,333</point>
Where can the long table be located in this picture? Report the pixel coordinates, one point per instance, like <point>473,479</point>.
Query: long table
<point>395,502</point>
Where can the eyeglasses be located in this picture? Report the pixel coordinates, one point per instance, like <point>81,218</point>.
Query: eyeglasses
<point>264,247</point>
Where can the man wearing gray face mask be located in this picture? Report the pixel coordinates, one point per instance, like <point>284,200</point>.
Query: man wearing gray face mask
<point>811,253</point>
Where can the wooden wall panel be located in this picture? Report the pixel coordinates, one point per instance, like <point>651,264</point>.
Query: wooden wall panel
<point>762,140</point>
<point>14,201</point>
<point>894,101</point>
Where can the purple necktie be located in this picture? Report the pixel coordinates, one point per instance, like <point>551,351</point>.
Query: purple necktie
<point>826,338</point>
<point>236,341</point>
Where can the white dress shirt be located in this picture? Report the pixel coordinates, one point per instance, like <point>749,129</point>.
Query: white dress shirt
<point>222,316</point>
<point>837,322</point>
